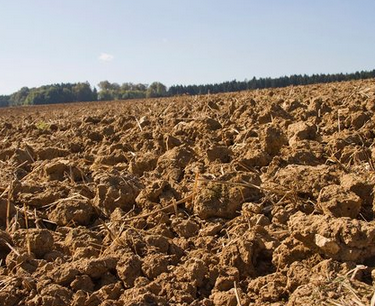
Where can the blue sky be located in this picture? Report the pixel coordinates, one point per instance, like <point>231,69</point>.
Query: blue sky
<point>180,42</point>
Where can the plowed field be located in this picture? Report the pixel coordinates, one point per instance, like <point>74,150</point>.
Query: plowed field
<point>254,198</point>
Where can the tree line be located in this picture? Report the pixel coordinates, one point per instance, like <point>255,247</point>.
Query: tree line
<point>51,94</point>
<point>262,83</point>
<point>80,92</point>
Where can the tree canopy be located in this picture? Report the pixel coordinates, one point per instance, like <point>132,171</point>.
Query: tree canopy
<point>113,91</point>
<point>156,90</point>
<point>4,101</point>
<point>52,94</point>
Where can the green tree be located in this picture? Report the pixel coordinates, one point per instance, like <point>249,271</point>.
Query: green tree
<point>127,87</point>
<point>109,91</point>
<point>105,91</point>
<point>4,101</point>
<point>156,89</point>
<point>140,87</point>
<point>83,92</point>
<point>105,85</point>
<point>19,97</point>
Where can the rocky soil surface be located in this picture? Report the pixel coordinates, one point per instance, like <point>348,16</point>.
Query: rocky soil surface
<point>254,198</point>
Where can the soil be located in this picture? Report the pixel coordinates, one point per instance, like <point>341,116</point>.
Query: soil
<point>261,197</point>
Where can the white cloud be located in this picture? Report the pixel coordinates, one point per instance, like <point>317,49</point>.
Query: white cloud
<point>105,57</point>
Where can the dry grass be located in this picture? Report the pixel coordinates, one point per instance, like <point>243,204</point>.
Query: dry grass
<point>12,248</point>
<point>8,211</point>
<point>6,281</point>
<point>238,299</point>
<point>28,245</point>
<point>351,291</point>
<point>174,204</point>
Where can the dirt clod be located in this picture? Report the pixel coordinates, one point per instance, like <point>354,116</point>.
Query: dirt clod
<point>338,202</point>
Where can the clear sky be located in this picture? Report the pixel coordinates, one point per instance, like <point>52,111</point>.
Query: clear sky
<point>180,41</point>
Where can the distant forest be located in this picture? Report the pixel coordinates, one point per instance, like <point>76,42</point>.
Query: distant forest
<point>80,92</point>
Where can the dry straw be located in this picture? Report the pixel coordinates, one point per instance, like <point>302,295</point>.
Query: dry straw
<point>28,244</point>
<point>238,299</point>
